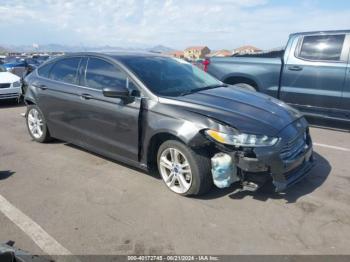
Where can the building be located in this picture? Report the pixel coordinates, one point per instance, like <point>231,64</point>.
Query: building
<point>220,53</point>
<point>196,52</point>
<point>177,54</point>
<point>246,49</point>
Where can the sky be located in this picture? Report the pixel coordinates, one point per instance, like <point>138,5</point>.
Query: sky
<point>219,24</point>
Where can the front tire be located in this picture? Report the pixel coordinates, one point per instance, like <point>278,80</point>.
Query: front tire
<point>36,124</point>
<point>183,170</point>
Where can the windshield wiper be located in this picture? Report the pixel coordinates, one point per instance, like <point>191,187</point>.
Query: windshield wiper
<point>195,90</point>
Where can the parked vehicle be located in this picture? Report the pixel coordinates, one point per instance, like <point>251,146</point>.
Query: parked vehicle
<point>149,109</point>
<point>41,58</point>
<point>16,66</point>
<point>2,59</point>
<point>11,253</point>
<point>10,85</point>
<point>312,74</point>
<point>32,62</point>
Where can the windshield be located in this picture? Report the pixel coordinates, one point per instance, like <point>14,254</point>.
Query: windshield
<point>169,76</point>
<point>2,69</point>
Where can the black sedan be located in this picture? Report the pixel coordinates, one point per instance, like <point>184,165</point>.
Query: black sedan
<point>151,110</point>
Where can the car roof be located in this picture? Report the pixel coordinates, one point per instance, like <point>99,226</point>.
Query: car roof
<point>322,32</point>
<point>116,55</point>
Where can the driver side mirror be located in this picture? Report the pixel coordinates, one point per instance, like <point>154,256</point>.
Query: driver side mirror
<point>115,92</point>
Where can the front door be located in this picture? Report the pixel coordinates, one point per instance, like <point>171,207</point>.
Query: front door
<point>313,77</point>
<point>108,126</point>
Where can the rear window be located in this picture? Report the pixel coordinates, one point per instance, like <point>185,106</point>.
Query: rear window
<point>322,47</point>
<point>45,70</point>
<point>65,70</point>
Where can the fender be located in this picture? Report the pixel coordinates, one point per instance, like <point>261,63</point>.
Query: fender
<point>30,97</point>
<point>156,126</point>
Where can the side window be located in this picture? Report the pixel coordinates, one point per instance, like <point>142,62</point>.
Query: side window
<point>45,70</point>
<point>65,70</point>
<point>101,74</point>
<point>322,47</point>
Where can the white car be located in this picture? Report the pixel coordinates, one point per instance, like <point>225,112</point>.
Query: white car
<point>10,85</point>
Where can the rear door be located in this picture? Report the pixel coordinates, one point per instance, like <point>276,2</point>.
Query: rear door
<point>313,76</point>
<point>58,95</point>
<point>108,126</point>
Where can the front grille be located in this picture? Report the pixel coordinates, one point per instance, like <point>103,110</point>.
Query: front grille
<point>5,85</point>
<point>294,147</point>
<point>9,95</point>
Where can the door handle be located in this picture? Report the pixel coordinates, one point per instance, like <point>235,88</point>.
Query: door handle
<point>86,96</point>
<point>295,68</point>
<point>40,86</point>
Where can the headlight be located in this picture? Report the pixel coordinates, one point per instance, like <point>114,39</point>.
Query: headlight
<point>17,84</point>
<point>241,139</point>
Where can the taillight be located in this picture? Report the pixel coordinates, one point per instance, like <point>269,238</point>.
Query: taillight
<point>206,63</point>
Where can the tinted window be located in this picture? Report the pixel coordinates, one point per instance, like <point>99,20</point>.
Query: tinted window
<point>2,69</point>
<point>45,70</point>
<point>65,70</point>
<point>322,47</point>
<point>101,74</point>
<point>169,76</point>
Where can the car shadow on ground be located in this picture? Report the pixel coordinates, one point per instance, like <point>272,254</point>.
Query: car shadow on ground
<point>12,103</point>
<point>315,179</point>
<point>152,173</point>
<point>6,174</point>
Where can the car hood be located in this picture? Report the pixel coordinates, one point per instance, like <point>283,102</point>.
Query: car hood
<point>247,111</point>
<point>7,77</point>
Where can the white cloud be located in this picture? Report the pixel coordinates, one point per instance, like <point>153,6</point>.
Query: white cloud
<point>177,23</point>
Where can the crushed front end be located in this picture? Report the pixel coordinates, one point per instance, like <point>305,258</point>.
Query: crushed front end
<point>286,162</point>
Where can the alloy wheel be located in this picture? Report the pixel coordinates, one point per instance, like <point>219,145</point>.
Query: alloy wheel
<point>35,123</point>
<point>175,170</point>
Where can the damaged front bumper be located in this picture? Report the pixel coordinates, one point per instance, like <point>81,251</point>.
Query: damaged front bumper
<point>286,163</point>
<point>284,173</point>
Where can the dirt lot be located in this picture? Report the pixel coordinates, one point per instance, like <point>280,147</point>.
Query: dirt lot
<point>91,205</point>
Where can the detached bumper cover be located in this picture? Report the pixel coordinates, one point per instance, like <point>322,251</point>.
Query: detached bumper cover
<point>301,169</point>
<point>286,163</point>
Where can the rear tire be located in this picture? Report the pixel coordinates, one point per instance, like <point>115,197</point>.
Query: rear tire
<point>36,124</point>
<point>246,86</point>
<point>183,170</point>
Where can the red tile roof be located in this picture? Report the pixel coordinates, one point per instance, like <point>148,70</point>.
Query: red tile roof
<point>176,53</point>
<point>223,52</point>
<point>195,48</point>
<point>247,47</point>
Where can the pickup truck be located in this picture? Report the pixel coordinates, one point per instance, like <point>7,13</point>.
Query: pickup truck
<point>312,73</point>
